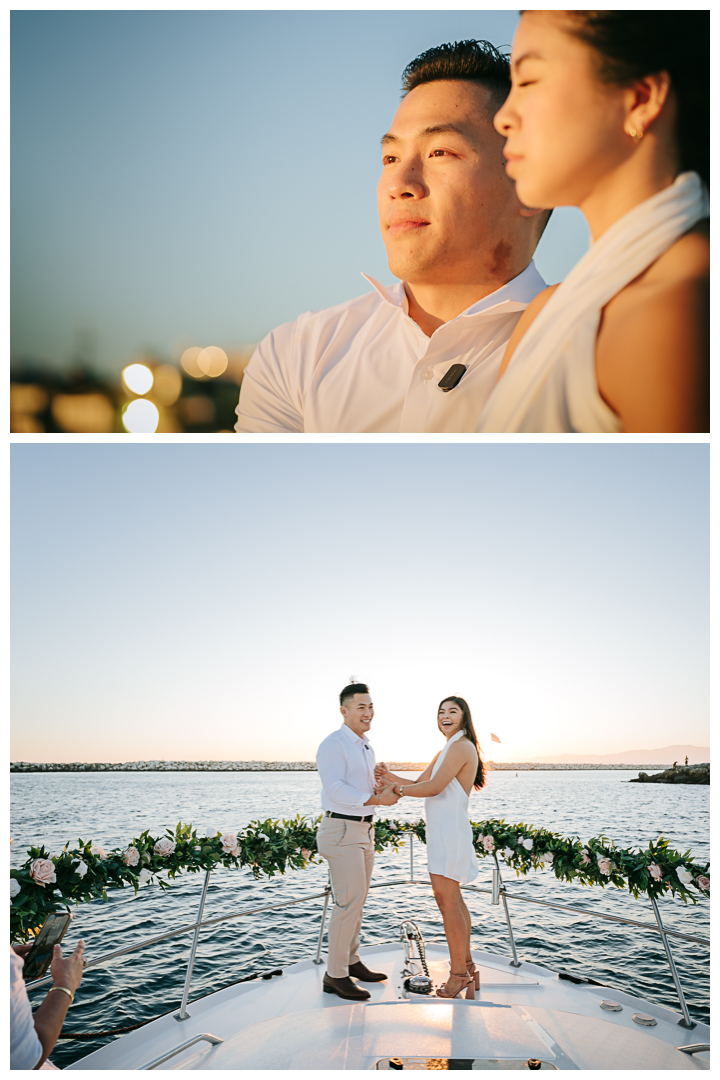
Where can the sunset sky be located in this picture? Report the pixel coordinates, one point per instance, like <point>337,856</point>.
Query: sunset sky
<point>209,601</point>
<point>199,177</point>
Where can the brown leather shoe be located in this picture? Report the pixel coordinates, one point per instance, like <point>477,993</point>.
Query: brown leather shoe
<point>344,988</point>
<point>359,971</point>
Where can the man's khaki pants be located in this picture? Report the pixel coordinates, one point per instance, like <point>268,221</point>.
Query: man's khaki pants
<point>349,847</point>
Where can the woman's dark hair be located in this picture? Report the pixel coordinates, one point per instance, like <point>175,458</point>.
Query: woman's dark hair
<point>632,44</point>
<point>469,730</point>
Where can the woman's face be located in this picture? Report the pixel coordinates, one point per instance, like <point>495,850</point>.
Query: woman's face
<point>564,127</point>
<point>449,718</point>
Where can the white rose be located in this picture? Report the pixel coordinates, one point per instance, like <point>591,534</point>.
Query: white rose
<point>81,868</point>
<point>228,841</point>
<point>263,836</point>
<point>144,877</point>
<point>164,846</point>
<point>14,888</point>
<point>488,843</point>
<point>527,843</point>
<point>508,852</point>
<point>209,833</point>
<point>547,858</point>
<point>235,851</point>
<point>684,875</point>
<point>95,849</point>
<point>131,856</point>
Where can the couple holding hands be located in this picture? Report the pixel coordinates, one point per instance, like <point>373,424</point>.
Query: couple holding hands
<point>353,785</point>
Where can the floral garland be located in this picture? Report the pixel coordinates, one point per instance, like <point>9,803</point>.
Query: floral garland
<point>46,883</point>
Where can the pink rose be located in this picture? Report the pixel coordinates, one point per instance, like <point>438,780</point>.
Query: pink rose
<point>235,851</point>
<point>655,871</point>
<point>488,843</point>
<point>228,841</point>
<point>702,882</point>
<point>392,826</point>
<point>95,849</point>
<point>43,871</point>
<point>305,852</point>
<point>585,858</point>
<point>605,866</point>
<point>165,846</point>
<point>131,856</point>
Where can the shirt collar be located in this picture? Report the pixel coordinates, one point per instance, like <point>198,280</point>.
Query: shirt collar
<point>521,289</point>
<point>352,736</point>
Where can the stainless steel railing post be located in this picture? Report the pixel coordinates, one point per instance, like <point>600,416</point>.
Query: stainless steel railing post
<point>686,1022</point>
<point>184,1014</point>
<point>412,864</point>
<point>514,962</point>
<point>318,957</point>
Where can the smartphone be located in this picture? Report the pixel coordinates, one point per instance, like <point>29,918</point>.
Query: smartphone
<point>52,932</point>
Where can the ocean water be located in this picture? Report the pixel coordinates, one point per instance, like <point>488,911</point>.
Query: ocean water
<point>111,808</point>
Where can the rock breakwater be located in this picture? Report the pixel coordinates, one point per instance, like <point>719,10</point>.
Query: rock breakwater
<point>679,774</point>
<point>305,766</point>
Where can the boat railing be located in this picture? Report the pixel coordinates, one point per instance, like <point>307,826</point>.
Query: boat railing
<point>498,892</point>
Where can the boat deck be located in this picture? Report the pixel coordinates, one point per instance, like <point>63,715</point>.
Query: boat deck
<point>288,1022</point>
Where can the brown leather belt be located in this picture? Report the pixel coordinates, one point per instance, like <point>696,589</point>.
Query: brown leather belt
<point>347,817</point>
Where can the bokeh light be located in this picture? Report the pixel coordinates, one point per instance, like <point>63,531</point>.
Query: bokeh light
<point>189,362</point>
<point>138,378</point>
<point>212,361</point>
<point>167,385</point>
<point>141,416</point>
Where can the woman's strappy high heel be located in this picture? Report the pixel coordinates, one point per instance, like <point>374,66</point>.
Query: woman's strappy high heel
<point>472,970</point>
<point>466,984</point>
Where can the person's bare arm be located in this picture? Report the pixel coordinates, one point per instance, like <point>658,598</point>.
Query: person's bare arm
<point>458,755</point>
<point>50,1015</point>
<point>384,773</point>
<point>529,315</point>
<point>653,359</point>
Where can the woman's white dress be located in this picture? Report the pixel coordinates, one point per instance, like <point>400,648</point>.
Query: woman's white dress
<point>550,383</point>
<point>448,833</point>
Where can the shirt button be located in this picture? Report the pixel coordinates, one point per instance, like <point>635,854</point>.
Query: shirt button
<point>426,375</point>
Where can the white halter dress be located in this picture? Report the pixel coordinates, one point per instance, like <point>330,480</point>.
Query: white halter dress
<point>550,384</point>
<point>448,833</point>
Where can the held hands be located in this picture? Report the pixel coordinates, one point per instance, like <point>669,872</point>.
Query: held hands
<point>68,972</point>
<point>381,770</point>
<point>386,795</point>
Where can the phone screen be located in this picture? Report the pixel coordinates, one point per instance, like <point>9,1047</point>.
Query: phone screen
<point>38,959</point>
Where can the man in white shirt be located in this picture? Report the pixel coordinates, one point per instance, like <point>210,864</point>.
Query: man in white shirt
<point>424,354</point>
<point>346,764</point>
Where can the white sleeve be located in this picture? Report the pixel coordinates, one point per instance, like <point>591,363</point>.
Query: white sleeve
<point>331,765</point>
<point>25,1047</point>
<point>269,396</point>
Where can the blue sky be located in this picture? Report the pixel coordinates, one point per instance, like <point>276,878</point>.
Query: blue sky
<point>188,177</point>
<point>209,601</point>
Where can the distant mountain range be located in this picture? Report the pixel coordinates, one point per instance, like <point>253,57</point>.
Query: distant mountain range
<point>665,755</point>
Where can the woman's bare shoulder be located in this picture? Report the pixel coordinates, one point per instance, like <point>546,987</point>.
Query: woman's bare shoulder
<point>529,314</point>
<point>651,356</point>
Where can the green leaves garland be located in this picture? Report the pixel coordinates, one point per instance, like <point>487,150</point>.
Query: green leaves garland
<point>46,883</point>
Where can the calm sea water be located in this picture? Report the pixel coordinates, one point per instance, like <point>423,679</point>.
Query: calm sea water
<point>112,808</point>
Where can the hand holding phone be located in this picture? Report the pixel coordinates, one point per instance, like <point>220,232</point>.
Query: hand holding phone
<point>40,955</point>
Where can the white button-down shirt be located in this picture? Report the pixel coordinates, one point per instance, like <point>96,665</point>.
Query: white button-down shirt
<point>346,764</point>
<point>366,366</point>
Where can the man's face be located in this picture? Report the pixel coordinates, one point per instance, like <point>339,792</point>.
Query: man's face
<point>358,712</point>
<point>448,211</point>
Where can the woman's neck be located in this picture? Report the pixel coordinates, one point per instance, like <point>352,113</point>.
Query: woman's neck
<point>625,187</point>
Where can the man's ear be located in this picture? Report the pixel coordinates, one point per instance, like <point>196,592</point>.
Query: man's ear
<point>528,211</point>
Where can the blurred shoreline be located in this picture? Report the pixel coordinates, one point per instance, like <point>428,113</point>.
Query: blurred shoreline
<point>298,766</point>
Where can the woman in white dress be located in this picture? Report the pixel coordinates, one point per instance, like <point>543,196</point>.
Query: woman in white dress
<point>446,785</point>
<point>609,111</point>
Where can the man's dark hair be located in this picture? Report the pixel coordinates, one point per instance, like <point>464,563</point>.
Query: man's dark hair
<point>351,690</point>
<point>473,61</point>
